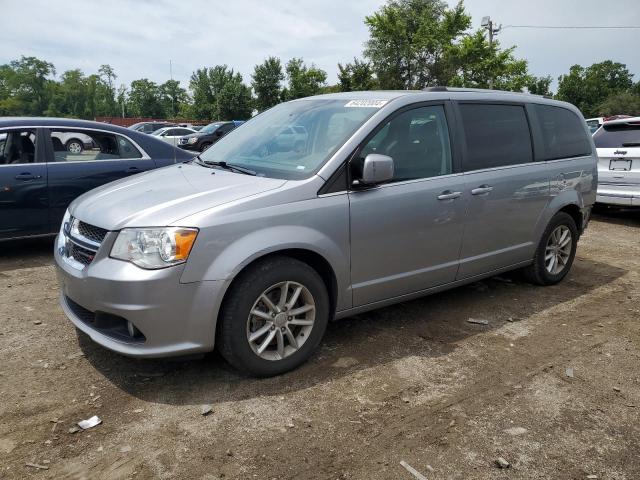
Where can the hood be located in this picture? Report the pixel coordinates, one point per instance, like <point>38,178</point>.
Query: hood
<point>163,196</point>
<point>195,134</point>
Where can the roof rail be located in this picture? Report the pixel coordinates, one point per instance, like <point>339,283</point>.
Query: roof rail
<point>477,90</point>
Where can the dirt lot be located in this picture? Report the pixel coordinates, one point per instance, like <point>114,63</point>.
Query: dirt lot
<point>552,385</point>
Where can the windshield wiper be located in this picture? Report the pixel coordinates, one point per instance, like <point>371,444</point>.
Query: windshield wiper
<point>230,167</point>
<point>631,144</point>
<point>198,159</point>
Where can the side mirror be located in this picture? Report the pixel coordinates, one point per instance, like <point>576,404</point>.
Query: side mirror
<point>377,169</point>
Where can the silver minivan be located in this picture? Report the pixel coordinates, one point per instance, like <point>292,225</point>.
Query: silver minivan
<point>257,243</point>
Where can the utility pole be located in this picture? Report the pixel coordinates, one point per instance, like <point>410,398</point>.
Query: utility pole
<point>171,77</point>
<point>487,23</point>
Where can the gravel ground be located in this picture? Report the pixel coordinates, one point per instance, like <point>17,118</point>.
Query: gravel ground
<point>551,385</point>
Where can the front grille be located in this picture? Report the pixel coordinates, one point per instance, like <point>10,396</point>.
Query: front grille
<point>91,232</point>
<point>82,241</point>
<point>80,254</point>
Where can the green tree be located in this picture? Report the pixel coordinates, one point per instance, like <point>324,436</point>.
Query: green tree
<point>106,99</point>
<point>121,100</point>
<point>26,86</point>
<point>540,86</point>
<point>589,87</point>
<point>144,99</point>
<point>172,97</point>
<point>218,93</point>
<point>480,65</point>
<point>303,81</point>
<point>266,82</point>
<point>626,103</point>
<point>235,101</point>
<point>356,76</point>
<point>202,94</point>
<point>409,40</point>
<point>69,97</point>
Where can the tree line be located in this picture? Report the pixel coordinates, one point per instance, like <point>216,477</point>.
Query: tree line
<point>412,44</point>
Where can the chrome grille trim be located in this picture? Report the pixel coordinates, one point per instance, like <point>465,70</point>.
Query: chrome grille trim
<point>82,242</point>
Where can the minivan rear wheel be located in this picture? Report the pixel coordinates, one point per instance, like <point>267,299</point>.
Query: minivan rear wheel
<point>556,251</point>
<point>274,317</point>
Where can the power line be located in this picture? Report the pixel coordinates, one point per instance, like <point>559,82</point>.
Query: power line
<point>575,27</point>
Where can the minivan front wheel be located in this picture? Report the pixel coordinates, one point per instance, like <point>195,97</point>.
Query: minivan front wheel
<point>556,251</point>
<point>274,317</point>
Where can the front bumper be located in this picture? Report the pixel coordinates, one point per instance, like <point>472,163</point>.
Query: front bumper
<point>625,195</point>
<point>174,318</point>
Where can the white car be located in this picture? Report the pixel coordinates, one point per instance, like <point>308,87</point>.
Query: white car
<point>73,142</point>
<point>172,134</point>
<point>618,144</point>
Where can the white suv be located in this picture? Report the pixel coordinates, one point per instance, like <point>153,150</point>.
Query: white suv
<point>618,144</point>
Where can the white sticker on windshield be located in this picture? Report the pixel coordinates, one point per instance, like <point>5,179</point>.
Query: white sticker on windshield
<point>366,103</point>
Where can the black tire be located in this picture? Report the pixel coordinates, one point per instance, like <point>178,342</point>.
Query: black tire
<point>74,143</point>
<point>232,341</point>
<point>537,272</point>
<point>204,146</point>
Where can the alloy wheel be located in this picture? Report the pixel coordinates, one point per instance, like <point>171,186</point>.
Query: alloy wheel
<point>281,320</point>
<point>558,250</point>
<point>74,147</point>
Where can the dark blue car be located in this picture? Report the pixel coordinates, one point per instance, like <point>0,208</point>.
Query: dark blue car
<point>47,162</point>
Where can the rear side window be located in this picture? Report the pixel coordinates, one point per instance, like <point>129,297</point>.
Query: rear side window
<point>563,133</point>
<point>495,136</point>
<point>620,135</point>
<point>90,145</point>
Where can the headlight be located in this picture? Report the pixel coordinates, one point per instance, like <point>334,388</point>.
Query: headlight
<point>61,235</point>
<point>192,140</point>
<point>154,247</point>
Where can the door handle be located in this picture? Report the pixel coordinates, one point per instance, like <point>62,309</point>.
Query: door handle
<point>449,195</point>
<point>27,176</point>
<point>481,190</point>
<point>132,169</point>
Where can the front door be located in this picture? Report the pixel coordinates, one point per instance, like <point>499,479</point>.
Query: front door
<point>505,190</point>
<point>24,203</point>
<point>406,235</point>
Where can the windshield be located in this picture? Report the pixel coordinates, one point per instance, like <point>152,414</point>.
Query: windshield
<point>159,131</point>
<point>292,140</point>
<point>212,127</point>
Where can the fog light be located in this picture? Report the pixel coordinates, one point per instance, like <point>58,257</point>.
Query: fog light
<point>131,328</point>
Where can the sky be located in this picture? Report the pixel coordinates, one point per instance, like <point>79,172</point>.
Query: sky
<point>139,38</point>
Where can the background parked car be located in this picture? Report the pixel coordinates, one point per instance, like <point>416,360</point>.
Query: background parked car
<point>40,176</point>
<point>74,142</point>
<point>595,123</point>
<point>150,127</point>
<point>171,135</point>
<point>209,135</point>
<point>618,144</point>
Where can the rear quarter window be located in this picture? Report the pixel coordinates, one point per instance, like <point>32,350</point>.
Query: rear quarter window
<point>562,133</point>
<point>495,135</point>
<point>618,135</point>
